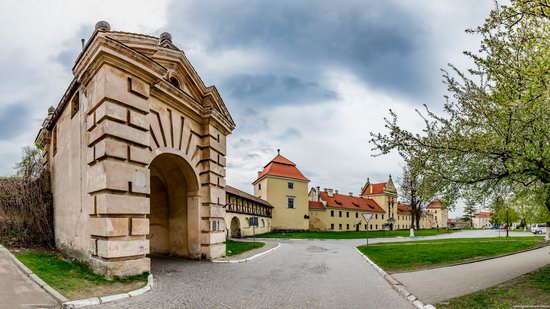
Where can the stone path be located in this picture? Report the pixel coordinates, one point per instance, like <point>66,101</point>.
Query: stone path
<point>17,290</point>
<point>435,285</point>
<point>299,274</point>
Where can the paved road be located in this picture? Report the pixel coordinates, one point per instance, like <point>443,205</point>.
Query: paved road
<point>463,279</point>
<point>300,274</point>
<point>17,290</point>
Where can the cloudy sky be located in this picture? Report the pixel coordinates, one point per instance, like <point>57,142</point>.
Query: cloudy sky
<point>312,78</point>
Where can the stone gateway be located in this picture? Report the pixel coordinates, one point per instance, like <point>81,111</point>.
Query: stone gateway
<point>136,149</point>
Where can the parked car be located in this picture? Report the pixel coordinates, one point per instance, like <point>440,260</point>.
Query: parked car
<point>539,228</point>
<point>495,227</point>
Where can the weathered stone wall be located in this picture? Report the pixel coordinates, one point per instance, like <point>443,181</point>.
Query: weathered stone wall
<point>131,113</point>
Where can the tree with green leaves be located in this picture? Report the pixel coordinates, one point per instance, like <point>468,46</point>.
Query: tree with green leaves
<point>469,213</point>
<point>494,134</point>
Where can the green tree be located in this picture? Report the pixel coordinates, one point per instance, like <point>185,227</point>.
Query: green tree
<point>494,132</point>
<point>469,213</point>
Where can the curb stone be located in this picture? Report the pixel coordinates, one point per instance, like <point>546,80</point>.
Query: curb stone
<point>248,258</point>
<point>81,302</point>
<point>396,285</point>
<point>111,298</point>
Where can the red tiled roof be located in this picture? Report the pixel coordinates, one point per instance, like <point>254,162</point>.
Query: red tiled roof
<point>351,202</point>
<point>242,194</point>
<point>403,208</point>
<point>435,203</point>
<point>282,167</point>
<point>316,205</point>
<point>483,214</point>
<point>377,188</point>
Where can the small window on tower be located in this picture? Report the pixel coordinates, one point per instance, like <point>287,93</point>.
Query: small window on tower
<point>259,186</point>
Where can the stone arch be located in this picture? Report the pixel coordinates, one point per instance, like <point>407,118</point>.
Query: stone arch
<point>235,228</point>
<point>174,205</point>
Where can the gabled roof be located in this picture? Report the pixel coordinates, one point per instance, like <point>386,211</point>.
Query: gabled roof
<point>374,188</point>
<point>350,202</point>
<point>244,195</point>
<point>483,214</point>
<point>435,203</point>
<point>314,205</point>
<point>403,208</point>
<point>281,167</point>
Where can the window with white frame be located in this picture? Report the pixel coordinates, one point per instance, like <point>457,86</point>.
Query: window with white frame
<point>290,200</point>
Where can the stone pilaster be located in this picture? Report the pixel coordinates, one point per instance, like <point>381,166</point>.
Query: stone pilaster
<point>117,174</point>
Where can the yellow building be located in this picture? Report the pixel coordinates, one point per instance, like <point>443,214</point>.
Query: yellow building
<point>239,210</point>
<point>331,211</point>
<point>385,195</point>
<point>439,216</point>
<point>283,186</point>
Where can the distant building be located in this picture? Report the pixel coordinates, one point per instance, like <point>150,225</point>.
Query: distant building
<point>438,214</point>
<point>283,186</point>
<point>331,211</point>
<point>481,220</point>
<point>239,210</point>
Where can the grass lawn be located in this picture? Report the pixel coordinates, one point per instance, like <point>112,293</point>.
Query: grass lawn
<point>237,247</point>
<point>352,234</point>
<point>412,255</point>
<point>530,291</point>
<point>76,280</point>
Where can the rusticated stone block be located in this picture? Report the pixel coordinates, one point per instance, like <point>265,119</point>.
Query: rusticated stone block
<point>122,131</point>
<point>140,155</point>
<point>111,148</point>
<point>139,120</point>
<point>138,86</point>
<point>213,237</point>
<point>112,83</point>
<point>140,226</point>
<point>121,204</point>
<point>121,248</point>
<point>121,268</point>
<point>111,110</point>
<point>108,227</point>
<point>120,176</point>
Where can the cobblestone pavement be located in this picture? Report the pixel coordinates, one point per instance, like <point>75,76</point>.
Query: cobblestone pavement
<point>300,274</point>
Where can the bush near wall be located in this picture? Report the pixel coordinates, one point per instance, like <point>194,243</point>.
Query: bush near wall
<point>26,208</point>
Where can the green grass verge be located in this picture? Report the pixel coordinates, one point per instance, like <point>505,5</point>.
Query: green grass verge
<point>412,255</point>
<point>76,280</point>
<point>530,291</point>
<point>352,234</point>
<point>237,247</point>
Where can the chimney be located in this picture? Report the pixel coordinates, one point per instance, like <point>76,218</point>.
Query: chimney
<point>335,191</point>
<point>329,192</point>
<point>318,193</point>
<point>351,194</point>
<point>259,173</point>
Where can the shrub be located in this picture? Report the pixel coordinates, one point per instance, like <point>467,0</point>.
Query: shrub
<point>26,209</point>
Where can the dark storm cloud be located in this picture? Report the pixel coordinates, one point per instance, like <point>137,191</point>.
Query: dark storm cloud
<point>379,41</point>
<point>266,89</point>
<point>13,119</point>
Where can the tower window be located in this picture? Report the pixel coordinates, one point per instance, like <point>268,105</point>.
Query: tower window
<point>291,186</point>
<point>290,202</point>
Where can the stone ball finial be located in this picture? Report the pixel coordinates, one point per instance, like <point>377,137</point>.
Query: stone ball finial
<point>165,36</point>
<point>51,110</point>
<point>102,26</point>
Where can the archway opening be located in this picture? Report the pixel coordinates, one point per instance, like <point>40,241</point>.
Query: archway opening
<point>174,188</point>
<point>235,228</point>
